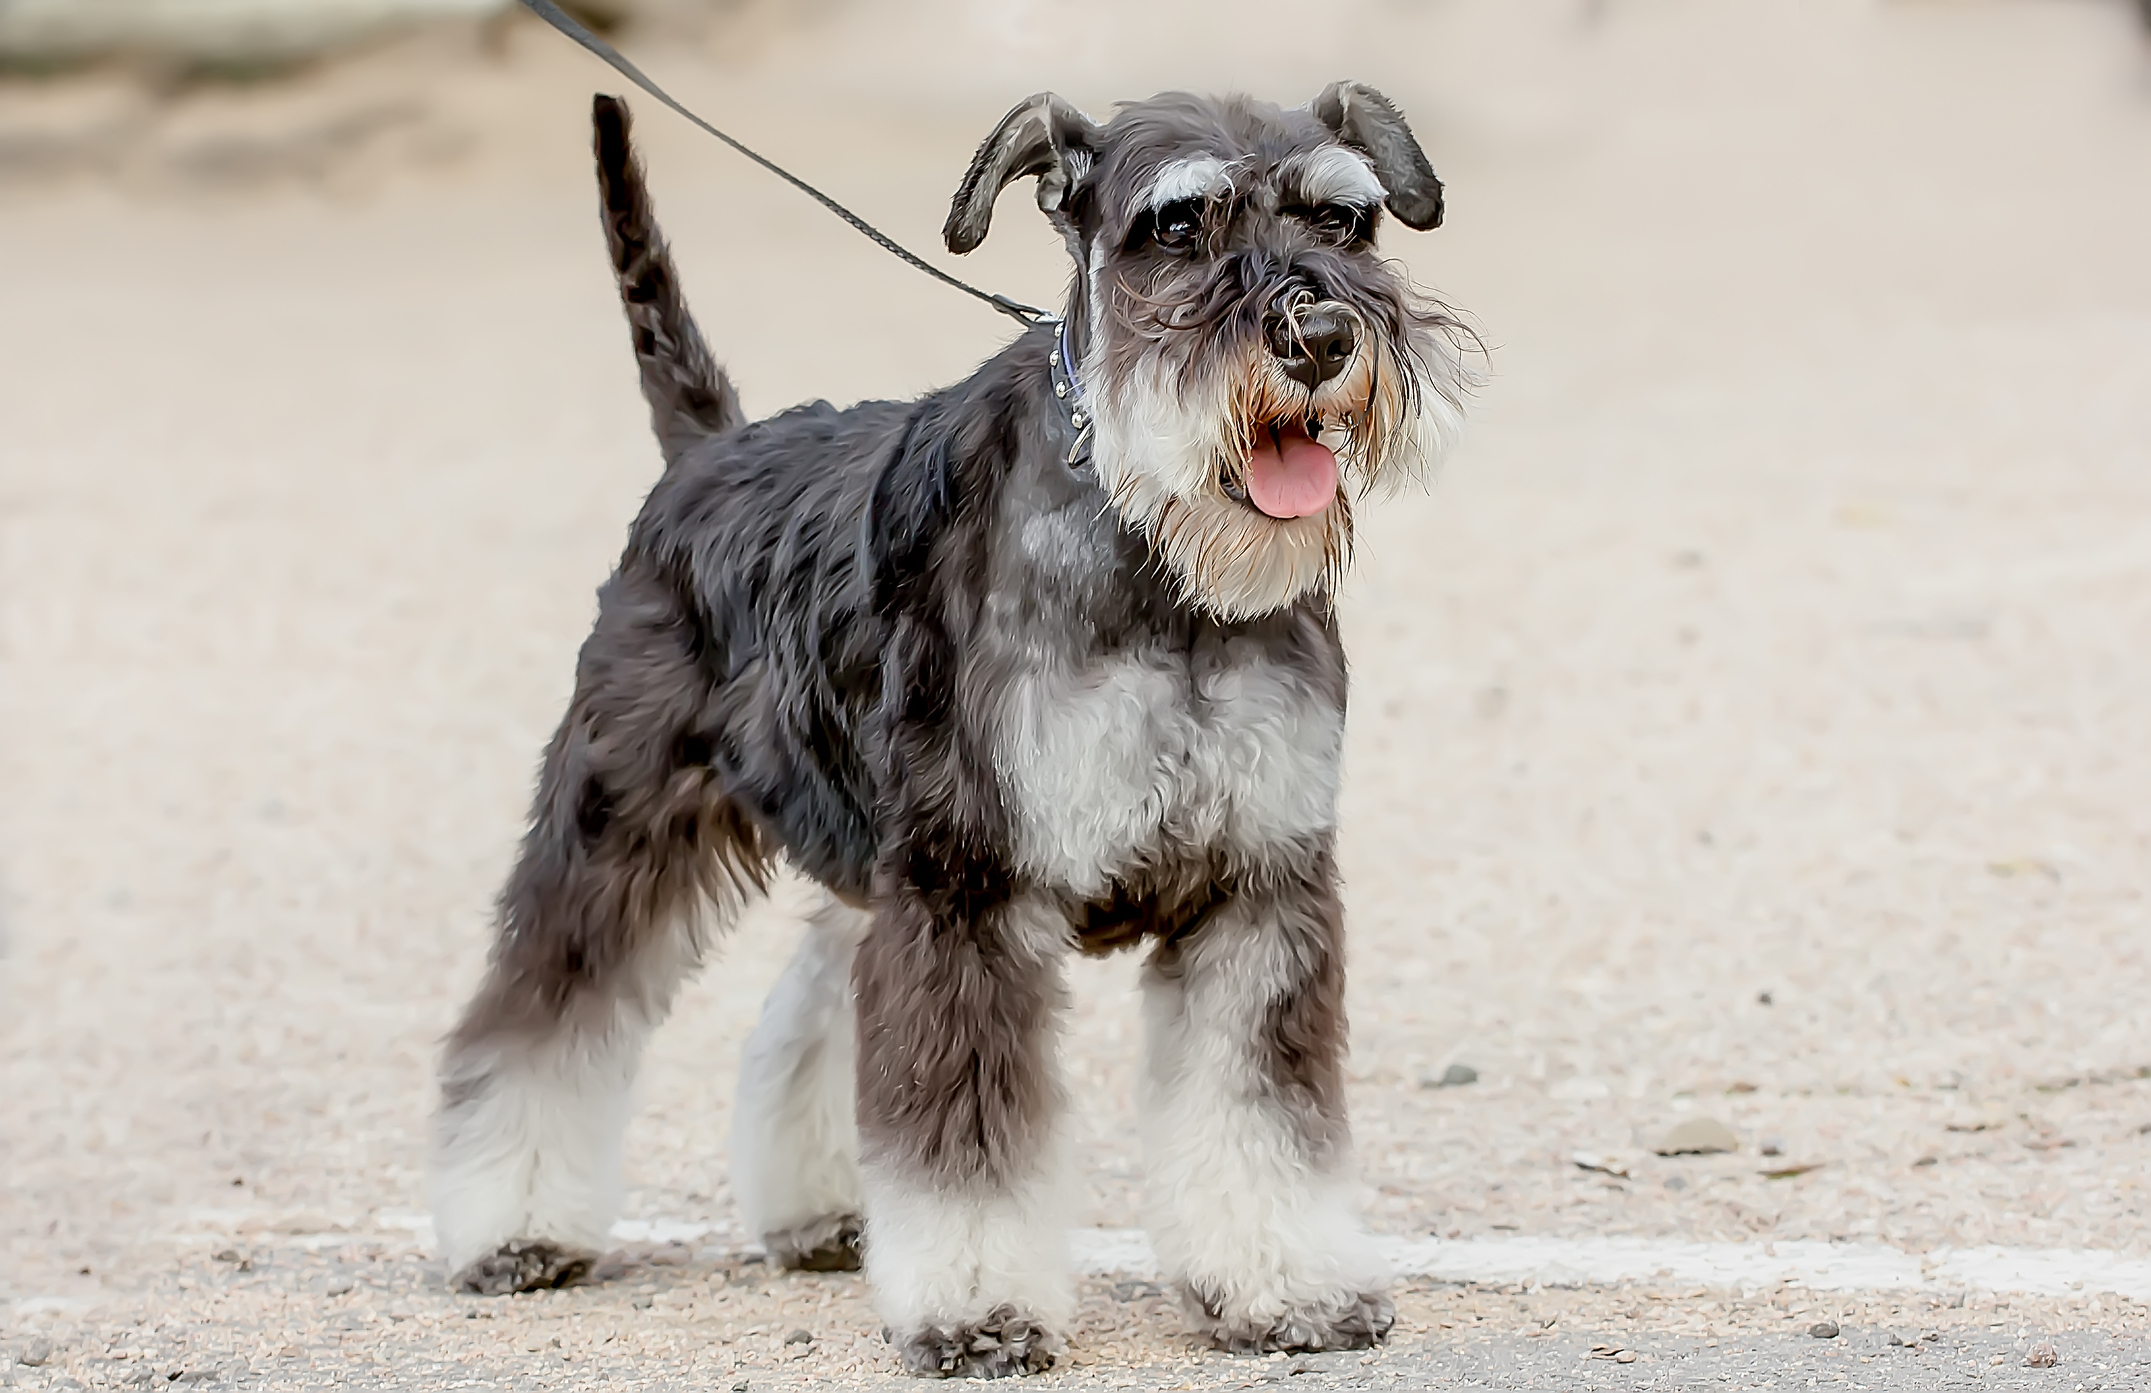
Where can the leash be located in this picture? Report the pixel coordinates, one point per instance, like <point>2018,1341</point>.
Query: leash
<point>1029,316</point>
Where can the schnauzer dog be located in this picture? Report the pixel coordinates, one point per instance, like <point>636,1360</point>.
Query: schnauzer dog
<point>1043,662</point>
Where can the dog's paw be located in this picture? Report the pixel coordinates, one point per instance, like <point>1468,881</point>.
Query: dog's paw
<point>524,1264</point>
<point>1004,1342</point>
<point>827,1244</point>
<point>1356,1321</point>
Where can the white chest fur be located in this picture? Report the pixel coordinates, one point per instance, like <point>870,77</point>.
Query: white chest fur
<point>1115,764</point>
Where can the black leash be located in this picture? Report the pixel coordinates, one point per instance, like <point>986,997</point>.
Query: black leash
<point>1026,315</point>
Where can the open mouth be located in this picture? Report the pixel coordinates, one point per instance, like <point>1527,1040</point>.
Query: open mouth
<point>1288,474</point>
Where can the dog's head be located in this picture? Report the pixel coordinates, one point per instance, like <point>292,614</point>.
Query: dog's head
<point>1249,360</point>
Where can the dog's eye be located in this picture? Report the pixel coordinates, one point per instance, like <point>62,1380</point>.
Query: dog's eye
<point>1176,226</point>
<point>1340,222</point>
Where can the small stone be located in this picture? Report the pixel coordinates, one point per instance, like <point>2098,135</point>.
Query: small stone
<point>340,1287</point>
<point>1697,1136</point>
<point>1626,1356</point>
<point>34,1354</point>
<point>1823,1330</point>
<point>642,1303</point>
<point>1773,1146</point>
<point>739,1385</point>
<point>1676,1183</point>
<point>1988,1117</point>
<point>1455,1076</point>
<point>800,1337</point>
<point>1764,999</point>
<point>2042,1356</point>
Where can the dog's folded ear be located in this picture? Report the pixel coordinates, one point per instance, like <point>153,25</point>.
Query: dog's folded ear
<point>1044,136</point>
<point>1364,119</point>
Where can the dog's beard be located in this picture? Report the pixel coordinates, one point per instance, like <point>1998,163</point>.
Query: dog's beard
<point>1171,444</point>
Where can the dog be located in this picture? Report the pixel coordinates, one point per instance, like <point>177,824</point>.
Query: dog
<point>1044,662</point>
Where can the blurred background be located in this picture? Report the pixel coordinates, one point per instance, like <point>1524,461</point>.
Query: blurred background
<point>1753,720</point>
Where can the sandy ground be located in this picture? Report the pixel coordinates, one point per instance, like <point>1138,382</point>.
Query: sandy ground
<point>1754,722</point>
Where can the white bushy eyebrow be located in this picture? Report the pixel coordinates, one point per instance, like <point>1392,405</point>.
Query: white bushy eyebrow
<point>1333,174</point>
<point>1202,176</point>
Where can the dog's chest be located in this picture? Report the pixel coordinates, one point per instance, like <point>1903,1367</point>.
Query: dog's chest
<point>1144,757</point>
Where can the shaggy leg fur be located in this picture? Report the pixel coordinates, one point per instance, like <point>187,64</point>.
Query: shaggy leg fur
<point>959,1107</point>
<point>630,843</point>
<point>795,1140</point>
<point>1243,1118</point>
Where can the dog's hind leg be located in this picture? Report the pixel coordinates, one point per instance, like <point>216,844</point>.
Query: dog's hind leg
<point>1244,1123</point>
<point>633,849</point>
<point>795,1140</point>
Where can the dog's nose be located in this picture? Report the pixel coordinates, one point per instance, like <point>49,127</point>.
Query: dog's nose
<point>1316,348</point>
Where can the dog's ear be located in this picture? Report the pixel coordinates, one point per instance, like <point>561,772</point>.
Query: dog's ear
<point>1044,136</point>
<point>1364,120</point>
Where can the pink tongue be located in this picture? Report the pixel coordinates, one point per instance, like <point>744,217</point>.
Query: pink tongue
<point>1290,475</point>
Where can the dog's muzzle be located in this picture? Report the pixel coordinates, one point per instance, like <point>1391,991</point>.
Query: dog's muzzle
<point>1312,342</point>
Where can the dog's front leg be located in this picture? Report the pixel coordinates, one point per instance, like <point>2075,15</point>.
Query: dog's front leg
<point>959,1118</point>
<point>1244,1122</point>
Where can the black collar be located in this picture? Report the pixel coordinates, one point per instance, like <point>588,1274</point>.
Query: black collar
<point>1068,394</point>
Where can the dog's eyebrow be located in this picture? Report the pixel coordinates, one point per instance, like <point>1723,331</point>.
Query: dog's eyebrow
<point>1200,176</point>
<point>1332,174</point>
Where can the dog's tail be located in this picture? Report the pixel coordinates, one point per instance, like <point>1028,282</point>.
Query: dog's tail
<point>690,397</point>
